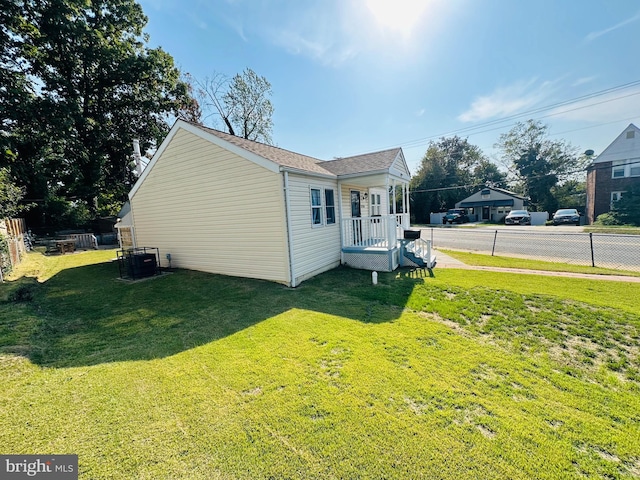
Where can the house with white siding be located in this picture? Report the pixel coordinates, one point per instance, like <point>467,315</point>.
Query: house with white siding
<point>223,204</point>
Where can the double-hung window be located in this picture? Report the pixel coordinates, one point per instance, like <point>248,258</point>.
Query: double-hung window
<point>329,206</point>
<point>323,207</point>
<point>316,206</point>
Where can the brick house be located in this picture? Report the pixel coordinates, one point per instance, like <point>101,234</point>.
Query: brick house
<point>612,172</point>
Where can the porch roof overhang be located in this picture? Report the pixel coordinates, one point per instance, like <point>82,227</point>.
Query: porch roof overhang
<point>380,178</point>
<point>489,203</point>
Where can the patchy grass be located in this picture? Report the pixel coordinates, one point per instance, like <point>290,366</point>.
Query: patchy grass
<point>479,259</point>
<point>468,374</point>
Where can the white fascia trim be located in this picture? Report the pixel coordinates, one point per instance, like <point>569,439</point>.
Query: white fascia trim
<point>181,124</point>
<point>154,159</point>
<point>307,173</point>
<point>252,157</point>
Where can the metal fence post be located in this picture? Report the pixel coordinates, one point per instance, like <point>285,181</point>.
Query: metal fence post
<point>593,262</point>
<point>493,249</point>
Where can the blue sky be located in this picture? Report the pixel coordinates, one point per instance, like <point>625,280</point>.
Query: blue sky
<point>355,76</point>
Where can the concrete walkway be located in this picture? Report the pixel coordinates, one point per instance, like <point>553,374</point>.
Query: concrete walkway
<point>446,261</point>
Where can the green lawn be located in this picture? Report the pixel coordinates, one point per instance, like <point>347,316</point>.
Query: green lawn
<point>467,374</point>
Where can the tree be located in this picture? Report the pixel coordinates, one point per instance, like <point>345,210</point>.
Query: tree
<point>537,164</point>
<point>89,87</point>
<point>451,168</point>
<point>10,196</point>
<point>242,103</point>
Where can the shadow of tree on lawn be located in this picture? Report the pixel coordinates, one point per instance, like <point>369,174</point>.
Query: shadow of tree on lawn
<point>87,316</point>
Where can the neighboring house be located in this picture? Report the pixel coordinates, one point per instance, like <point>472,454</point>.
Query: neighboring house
<point>612,172</point>
<point>492,204</point>
<point>223,204</point>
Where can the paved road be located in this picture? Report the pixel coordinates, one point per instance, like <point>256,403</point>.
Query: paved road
<point>561,244</point>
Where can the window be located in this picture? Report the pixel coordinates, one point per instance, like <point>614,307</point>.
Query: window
<point>486,193</point>
<point>617,169</point>
<point>330,206</point>
<point>316,207</point>
<point>631,134</point>
<point>615,196</point>
<point>376,203</point>
<point>634,169</point>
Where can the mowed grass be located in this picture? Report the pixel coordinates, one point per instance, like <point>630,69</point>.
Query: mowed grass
<point>467,374</point>
<point>479,259</point>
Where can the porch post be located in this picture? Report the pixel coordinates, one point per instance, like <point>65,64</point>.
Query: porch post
<point>393,196</point>
<point>405,202</point>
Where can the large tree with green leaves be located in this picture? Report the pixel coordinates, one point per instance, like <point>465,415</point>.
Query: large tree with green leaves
<point>537,164</point>
<point>86,85</point>
<point>450,170</point>
<point>242,103</point>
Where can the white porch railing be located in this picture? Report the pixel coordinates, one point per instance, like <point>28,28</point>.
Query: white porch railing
<point>402,224</point>
<point>381,231</point>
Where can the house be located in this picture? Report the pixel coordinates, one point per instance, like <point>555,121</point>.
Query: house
<point>218,203</point>
<point>492,204</point>
<point>612,172</point>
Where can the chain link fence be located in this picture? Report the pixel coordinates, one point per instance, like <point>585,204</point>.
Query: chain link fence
<point>619,252</point>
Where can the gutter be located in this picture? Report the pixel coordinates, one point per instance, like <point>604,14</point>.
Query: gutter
<point>287,212</point>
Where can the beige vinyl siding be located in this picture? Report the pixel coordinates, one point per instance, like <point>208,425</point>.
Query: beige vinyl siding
<point>213,211</point>
<point>316,248</point>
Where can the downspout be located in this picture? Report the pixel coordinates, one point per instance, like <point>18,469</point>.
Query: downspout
<point>287,211</point>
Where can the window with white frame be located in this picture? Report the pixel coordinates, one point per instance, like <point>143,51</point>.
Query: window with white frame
<point>625,168</point>
<point>323,206</point>
<point>316,207</point>
<point>617,170</point>
<point>615,196</point>
<point>329,206</point>
<point>376,204</point>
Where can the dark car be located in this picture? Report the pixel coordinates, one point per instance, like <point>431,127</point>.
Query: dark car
<point>518,217</point>
<point>566,216</point>
<point>456,215</point>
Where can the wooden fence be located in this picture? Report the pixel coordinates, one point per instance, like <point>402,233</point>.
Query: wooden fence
<point>12,230</point>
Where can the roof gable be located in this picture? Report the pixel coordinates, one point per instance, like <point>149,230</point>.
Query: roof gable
<point>365,164</point>
<point>494,194</point>
<point>277,159</point>
<point>622,148</point>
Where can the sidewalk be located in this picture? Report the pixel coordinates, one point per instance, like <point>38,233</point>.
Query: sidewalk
<point>445,261</point>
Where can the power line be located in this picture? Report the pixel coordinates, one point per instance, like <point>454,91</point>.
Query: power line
<point>501,123</point>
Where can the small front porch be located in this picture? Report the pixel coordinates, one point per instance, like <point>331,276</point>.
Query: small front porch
<point>372,243</point>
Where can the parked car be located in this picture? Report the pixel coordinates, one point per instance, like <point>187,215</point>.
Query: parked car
<point>456,215</point>
<point>566,216</point>
<point>518,217</point>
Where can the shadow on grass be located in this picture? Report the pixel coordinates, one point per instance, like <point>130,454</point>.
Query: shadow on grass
<point>87,316</point>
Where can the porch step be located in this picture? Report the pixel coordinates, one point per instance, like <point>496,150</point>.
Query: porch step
<point>421,261</point>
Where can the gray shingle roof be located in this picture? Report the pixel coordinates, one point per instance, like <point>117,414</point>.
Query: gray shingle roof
<point>369,162</point>
<point>277,155</point>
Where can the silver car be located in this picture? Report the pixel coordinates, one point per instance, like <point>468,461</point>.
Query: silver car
<point>518,217</point>
<point>566,216</point>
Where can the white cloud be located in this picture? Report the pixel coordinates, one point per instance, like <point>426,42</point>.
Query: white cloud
<point>505,101</point>
<point>593,35</point>
<point>420,112</point>
<point>321,49</point>
<point>583,80</point>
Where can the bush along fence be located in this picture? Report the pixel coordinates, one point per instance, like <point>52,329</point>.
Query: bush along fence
<point>12,246</point>
<point>615,251</point>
